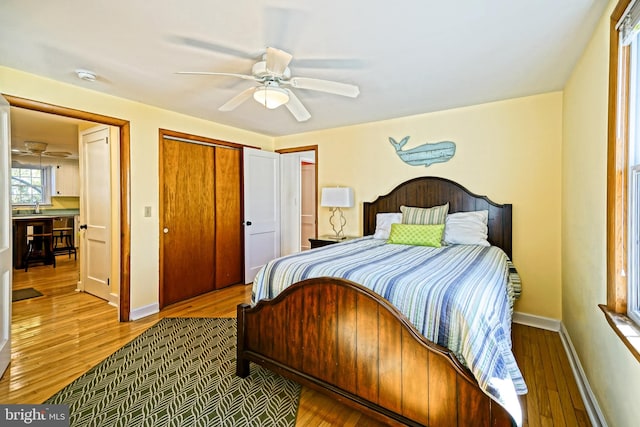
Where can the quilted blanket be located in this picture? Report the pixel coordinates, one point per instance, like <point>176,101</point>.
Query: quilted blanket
<point>458,296</point>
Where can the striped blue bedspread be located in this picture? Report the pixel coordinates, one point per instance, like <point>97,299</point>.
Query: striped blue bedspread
<point>458,296</point>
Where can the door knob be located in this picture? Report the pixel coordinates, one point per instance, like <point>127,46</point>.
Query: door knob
<point>165,230</point>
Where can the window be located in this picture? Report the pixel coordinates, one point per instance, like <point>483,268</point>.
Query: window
<point>623,175</point>
<point>30,184</point>
<point>633,302</point>
<point>631,38</point>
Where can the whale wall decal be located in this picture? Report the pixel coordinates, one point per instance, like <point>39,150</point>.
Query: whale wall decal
<point>425,154</point>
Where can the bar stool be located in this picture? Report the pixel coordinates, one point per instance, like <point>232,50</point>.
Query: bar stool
<point>39,244</point>
<point>63,238</point>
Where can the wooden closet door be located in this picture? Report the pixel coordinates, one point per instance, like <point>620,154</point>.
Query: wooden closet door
<point>228,207</point>
<point>187,226</point>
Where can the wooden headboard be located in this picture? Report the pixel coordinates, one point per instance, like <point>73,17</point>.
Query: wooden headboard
<point>432,191</point>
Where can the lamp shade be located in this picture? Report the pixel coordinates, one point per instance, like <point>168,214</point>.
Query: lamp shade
<point>271,96</point>
<point>337,197</point>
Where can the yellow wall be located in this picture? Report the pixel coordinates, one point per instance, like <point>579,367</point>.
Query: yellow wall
<point>508,150</point>
<point>613,373</point>
<point>65,203</point>
<point>145,122</point>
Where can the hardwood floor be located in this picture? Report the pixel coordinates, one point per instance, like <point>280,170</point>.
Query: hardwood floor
<point>553,398</point>
<point>60,335</point>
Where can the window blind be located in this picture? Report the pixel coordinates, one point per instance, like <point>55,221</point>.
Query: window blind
<point>629,24</point>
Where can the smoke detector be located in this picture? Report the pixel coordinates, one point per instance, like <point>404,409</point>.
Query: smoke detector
<point>86,75</point>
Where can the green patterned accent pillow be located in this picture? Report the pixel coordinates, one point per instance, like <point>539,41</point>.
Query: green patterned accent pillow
<point>434,215</point>
<point>416,234</point>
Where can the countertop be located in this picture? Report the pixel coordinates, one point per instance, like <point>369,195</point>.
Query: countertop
<point>44,213</point>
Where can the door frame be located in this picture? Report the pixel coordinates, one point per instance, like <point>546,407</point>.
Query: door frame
<point>313,148</point>
<point>125,184</point>
<point>6,238</point>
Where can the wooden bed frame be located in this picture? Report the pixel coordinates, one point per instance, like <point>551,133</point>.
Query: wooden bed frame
<point>340,338</point>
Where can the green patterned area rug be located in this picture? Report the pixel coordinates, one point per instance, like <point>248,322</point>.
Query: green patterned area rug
<point>180,372</point>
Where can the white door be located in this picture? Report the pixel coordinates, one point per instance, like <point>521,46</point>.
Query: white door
<point>290,206</point>
<point>297,224</point>
<point>5,236</point>
<point>307,204</point>
<point>261,210</point>
<point>95,212</point>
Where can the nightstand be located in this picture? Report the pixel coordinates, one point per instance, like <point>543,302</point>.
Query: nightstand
<point>327,240</point>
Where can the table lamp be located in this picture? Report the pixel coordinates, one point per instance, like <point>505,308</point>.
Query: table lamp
<point>337,198</point>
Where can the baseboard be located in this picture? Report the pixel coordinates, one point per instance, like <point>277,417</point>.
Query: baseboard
<point>114,300</point>
<point>536,321</point>
<point>591,404</point>
<point>147,310</point>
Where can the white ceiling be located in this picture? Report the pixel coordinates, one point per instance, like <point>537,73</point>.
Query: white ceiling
<point>408,56</point>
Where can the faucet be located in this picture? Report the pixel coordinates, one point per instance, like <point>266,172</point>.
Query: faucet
<point>37,209</point>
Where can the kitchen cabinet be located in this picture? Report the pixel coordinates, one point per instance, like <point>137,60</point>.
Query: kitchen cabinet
<point>66,180</point>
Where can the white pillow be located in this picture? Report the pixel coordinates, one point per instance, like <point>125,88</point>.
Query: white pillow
<point>383,224</point>
<point>467,228</point>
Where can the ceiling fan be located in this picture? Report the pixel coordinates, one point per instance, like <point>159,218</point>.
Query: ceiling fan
<point>37,148</point>
<point>275,84</point>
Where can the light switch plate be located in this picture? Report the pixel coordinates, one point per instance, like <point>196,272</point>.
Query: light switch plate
<point>147,211</point>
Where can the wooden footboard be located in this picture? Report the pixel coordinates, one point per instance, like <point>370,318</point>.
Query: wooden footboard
<point>338,337</point>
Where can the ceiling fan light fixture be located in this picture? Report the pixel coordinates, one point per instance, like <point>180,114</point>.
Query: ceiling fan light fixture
<point>35,147</point>
<point>270,96</point>
<point>273,72</point>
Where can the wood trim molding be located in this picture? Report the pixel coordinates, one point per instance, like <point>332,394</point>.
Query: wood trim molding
<point>125,184</point>
<point>43,107</point>
<point>617,160</point>
<point>125,222</point>
<point>197,138</point>
<point>615,310</point>
<point>161,213</point>
<point>625,328</point>
<point>298,149</point>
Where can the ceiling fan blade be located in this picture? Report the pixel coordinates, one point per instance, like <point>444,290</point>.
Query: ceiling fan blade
<point>237,100</point>
<point>336,88</point>
<point>296,108</point>
<point>214,47</point>
<point>208,73</point>
<point>331,63</point>
<point>277,60</point>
